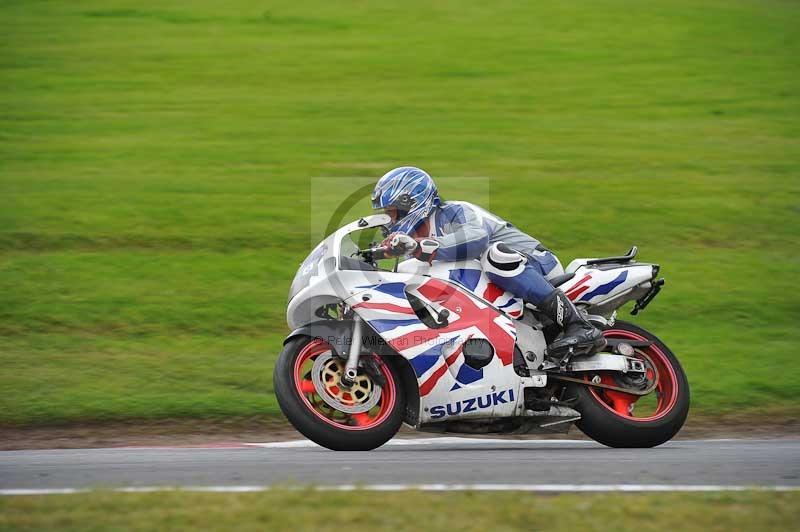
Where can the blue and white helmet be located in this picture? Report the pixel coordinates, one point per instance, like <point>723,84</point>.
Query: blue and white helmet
<point>411,191</point>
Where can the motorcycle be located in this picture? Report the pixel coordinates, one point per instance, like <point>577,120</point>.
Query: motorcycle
<point>439,347</point>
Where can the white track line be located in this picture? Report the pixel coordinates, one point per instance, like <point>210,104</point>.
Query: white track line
<point>446,440</point>
<point>558,488</point>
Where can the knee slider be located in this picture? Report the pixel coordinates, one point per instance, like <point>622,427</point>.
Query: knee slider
<point>501,260</point>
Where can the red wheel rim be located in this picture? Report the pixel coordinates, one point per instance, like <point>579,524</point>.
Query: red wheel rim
<point>666,390</point>
<point>341,420</point>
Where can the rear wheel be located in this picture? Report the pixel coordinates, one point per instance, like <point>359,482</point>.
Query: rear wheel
<point>620,419</point>
<point>307,382</point>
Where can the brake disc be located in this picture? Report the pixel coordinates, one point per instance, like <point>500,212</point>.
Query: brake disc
<point>326,374</point>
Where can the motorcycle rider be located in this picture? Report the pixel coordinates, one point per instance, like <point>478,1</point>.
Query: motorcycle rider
<point>513,260</point>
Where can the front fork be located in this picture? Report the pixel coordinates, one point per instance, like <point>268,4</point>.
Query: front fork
<point>351,366</point>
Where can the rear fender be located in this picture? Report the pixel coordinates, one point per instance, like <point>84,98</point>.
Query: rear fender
<point>604,288</point>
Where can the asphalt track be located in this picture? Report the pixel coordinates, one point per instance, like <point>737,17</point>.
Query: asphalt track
<point>429,463</point>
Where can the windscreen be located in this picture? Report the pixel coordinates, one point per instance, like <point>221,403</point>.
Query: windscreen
<point>311,267</point>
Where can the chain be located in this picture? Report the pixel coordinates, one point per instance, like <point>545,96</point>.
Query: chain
<point>559,377</point>
<point>652,387</point>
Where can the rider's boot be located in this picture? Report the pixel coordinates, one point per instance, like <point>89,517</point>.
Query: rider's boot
<point>578,336</point>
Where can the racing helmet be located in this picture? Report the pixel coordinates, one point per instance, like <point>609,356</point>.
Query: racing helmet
<point>409,190</point>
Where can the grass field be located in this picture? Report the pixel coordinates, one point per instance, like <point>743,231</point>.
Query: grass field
<point>156,161</point>
<point>321,511</point>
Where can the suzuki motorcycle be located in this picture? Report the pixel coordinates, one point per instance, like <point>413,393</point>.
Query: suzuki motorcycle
<point>442,349</point>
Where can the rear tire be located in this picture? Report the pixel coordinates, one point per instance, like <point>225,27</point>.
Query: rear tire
<point>604,421</point>
<point>322,424</point>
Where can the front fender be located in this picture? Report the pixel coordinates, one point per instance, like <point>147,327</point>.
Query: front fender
<point>339,334</point>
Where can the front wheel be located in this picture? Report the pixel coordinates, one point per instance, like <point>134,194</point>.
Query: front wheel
<point>360,418</point>
<point>619,419</point>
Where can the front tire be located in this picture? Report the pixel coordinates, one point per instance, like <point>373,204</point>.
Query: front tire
<point>307,387</point>
<point>610,418</point>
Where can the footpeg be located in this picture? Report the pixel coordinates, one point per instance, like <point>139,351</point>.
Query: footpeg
<point>567,357</point>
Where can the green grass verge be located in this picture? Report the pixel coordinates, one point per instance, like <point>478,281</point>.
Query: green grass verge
<point>155,170</point>
<point>313,510</point>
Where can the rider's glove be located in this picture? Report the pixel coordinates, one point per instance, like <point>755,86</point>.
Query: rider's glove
<point>399,244</point>
<point>426,249</point>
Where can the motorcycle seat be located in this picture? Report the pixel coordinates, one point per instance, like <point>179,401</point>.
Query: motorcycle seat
<point>629,256</point>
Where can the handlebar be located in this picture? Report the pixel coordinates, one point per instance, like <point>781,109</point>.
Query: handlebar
<point>426,249</point>
<point>376,253</point>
